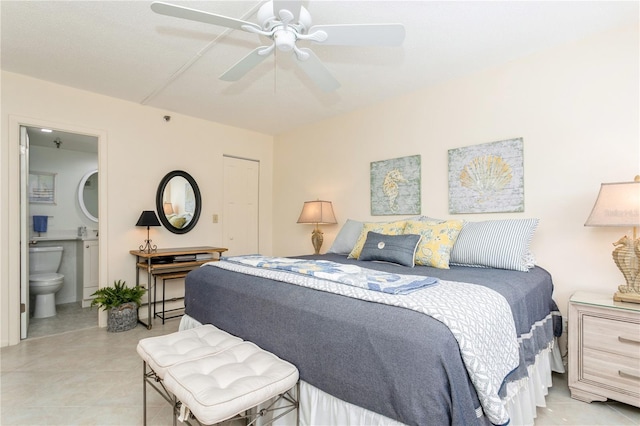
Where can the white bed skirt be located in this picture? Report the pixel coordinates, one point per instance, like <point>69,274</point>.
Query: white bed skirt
<point>320,408</point>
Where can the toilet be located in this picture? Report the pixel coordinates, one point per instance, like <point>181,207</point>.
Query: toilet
<point>44,281</point>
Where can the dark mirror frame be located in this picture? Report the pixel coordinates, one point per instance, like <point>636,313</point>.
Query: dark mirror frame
<point>159,199</point>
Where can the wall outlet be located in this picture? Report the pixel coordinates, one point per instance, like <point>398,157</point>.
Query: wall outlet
<point>215,218</point>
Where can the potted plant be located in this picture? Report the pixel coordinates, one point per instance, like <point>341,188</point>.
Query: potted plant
<point>122,304</point>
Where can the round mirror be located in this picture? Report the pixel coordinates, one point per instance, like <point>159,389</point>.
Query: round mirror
<point>88,195</point>
<point>178,202</point>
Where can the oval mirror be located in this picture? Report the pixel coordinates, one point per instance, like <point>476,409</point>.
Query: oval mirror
<point>178,202</point>
<point>88,195</point>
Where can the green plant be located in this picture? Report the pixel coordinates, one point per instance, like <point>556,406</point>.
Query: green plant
<point>112,297</point>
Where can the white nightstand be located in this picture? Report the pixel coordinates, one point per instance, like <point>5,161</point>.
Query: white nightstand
<point>604,349</point>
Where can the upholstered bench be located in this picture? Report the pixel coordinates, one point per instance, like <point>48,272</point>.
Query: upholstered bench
<point>221,386</point>
<point>161,352</point>
<point>215,376</point>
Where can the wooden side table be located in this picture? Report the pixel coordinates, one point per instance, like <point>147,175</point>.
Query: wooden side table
<point>604,349</point>
<point>171,260</point>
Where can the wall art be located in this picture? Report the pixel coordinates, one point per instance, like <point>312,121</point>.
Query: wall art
<point>487,178</point>
<point>395,186</point>
<point>42,188</point>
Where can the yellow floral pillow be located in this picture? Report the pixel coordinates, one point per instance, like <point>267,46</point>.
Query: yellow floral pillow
<point>388,228</point>
<point>436,243</point>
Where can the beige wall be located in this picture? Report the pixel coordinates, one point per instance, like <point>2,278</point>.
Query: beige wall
<point>137,148</point>
<point>576,108</point>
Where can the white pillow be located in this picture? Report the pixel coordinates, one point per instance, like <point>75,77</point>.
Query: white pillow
<point>502,244</point>
<point>347,237</point>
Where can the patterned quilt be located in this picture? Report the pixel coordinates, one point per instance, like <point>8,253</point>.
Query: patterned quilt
<point>353,275</point>
<point>479,318</point>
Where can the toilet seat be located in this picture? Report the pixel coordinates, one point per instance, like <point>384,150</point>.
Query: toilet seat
<point>45,279</point>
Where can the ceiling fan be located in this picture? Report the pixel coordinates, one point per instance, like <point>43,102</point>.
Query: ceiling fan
<point>285,22</point>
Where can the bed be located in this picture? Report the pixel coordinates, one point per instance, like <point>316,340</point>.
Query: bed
<point>363,361</point>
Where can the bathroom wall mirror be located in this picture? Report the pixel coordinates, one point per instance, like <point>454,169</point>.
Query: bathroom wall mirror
<point>178,202</point>
<point>88,195</point>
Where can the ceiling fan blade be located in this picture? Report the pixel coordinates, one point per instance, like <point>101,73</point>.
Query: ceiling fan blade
<point>361,34</point>
<point>318,72</point>
<point>292,6</point>
<point>244,65</point>
<point>200,16</point>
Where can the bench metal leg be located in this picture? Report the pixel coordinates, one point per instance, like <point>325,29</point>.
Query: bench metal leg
<point>144,393</point>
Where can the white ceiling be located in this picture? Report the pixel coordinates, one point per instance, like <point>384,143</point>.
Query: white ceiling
<point>123,49</point>
<point>70,141</point>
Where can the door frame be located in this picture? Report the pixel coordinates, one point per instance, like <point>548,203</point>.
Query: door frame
<point>13,248</point>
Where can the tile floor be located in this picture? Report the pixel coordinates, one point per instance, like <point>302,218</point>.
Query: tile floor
<point>91,377</point>
<point>70,316</point>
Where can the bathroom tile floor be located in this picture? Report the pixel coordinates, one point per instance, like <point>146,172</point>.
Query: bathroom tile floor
<point>70,317</point>
<point>91,377</point>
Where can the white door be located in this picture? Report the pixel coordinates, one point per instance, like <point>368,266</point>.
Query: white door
<point>24,233</point>
<point>240,211</point>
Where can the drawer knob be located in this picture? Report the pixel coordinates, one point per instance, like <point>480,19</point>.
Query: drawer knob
<point>628,339</point>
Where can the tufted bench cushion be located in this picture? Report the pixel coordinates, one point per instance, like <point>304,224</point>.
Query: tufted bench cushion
<point>216,388</point>
<point>162,352</point>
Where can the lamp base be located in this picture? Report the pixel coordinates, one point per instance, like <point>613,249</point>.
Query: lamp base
<point>628,261</point>
<point>317,238</point>
<point>147,247</point>
<point>631,297</point>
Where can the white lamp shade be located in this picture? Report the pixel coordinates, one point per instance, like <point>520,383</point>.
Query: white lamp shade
<point>618,204</point>
<point>317,212</point>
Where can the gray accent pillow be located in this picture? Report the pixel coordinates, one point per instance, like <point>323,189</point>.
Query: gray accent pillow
<point>400,249</point>
<point>346,238</point>
<point>502,244</point>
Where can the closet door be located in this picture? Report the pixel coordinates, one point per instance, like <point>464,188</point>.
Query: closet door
<point>240,214</point>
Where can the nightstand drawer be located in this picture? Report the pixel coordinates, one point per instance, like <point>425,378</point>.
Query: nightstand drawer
<point>613,336</point>
<point>614,371</point>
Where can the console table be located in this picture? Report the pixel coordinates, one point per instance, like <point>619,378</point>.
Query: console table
<point>171,261</point>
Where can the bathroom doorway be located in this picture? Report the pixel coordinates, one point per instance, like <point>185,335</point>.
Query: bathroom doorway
<point>59,208</point>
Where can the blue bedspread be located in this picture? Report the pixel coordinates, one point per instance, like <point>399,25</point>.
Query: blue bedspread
<point>369,354</point>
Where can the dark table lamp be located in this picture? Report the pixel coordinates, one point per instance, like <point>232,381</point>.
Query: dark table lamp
<point>148,218</point>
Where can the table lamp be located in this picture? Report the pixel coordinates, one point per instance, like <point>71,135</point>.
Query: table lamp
<point>148,218</point>
<point>317,212</point>
<point>618,204</point>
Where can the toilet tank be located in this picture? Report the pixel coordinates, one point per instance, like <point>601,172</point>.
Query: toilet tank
<point>44,259</point>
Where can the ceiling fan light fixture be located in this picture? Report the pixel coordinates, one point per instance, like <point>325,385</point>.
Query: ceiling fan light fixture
<point>284,39</point>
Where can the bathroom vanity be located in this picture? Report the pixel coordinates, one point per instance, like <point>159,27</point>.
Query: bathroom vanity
<point>87,265</point>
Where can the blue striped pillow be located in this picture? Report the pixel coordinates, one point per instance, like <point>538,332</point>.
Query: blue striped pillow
<point>502,244</point>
